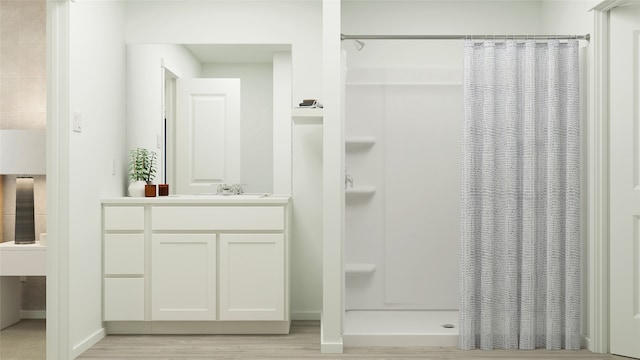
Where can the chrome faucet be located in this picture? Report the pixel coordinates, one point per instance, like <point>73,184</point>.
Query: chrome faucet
<point>235,189</point>
<point>348,179</point>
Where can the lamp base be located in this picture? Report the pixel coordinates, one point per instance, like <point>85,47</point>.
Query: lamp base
<point>25,219</point>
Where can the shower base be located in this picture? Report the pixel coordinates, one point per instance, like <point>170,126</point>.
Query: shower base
<point>400,328</point>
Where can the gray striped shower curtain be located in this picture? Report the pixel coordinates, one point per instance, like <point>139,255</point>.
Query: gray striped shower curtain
<point>520,221</point>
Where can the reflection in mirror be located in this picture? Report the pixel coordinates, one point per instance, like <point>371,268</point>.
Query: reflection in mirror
<point>209,111</point>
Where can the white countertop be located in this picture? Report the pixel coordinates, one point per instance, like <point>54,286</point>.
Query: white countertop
<point>12,246</point>
<point>200,200</point>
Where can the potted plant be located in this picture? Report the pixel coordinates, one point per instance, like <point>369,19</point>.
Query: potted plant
<point>142,171</point>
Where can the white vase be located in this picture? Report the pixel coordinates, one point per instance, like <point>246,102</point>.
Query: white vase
<point>136,188</point>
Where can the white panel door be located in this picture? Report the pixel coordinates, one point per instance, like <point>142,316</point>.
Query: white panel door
<point>252,277</point>
<point>207,134</point>
<point>183,277</point>
<point>625,181</point>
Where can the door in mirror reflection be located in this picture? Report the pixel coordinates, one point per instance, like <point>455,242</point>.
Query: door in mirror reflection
<point>207,134</point>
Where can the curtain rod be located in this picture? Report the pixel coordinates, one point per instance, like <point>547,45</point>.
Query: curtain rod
<point>586,37</point>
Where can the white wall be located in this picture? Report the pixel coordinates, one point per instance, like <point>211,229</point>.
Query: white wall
<point>306,233</point>
<point>333,205</point>
<point>298,23</point>
<point>256,121</point>
<point>573,17</point>
<point>97,92</point>
<point>567,17</point>
<point>237,22</point>
<point>450,17</point>
<point>429,17</point>
<point>145,93</point>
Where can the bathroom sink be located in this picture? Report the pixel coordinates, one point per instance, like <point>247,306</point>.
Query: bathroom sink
<point>233,196</point>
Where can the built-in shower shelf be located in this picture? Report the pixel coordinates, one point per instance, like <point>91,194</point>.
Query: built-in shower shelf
<point>361,190</point>
<point>353,142</point>
<point>359,268</point>
<point>307,116</point>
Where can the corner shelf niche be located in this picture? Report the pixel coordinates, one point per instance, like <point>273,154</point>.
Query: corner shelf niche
<point>359,268</point>
<point>364,190</point>
<point>357,142</point>
<point>307,116</point>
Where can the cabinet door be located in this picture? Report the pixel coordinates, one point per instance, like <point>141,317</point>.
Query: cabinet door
<point>252,277</point>
<point>183,277</point>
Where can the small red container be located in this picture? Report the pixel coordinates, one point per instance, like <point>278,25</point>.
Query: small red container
<point>163,189</point>
<point>150,190</point>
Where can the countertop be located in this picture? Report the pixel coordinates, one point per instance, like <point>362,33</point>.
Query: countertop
<point>249,199</point>
<point>12,246</point>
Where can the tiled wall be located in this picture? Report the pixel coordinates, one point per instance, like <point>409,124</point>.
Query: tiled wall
<point>22,64</point>
<point>23,106</point>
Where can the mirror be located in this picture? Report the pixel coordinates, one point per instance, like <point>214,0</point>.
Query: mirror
<point>198,153</point>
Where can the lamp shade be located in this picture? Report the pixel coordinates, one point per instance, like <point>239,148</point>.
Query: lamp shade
<point>23,152</point>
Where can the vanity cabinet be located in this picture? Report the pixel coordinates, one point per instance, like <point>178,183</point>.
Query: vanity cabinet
<point>193,265</point>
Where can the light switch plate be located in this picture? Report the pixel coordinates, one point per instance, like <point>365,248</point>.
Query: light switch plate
<point>77,122</point>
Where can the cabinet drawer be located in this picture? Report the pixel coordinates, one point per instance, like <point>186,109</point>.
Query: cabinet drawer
<point>217,218</point>
<point>123,299</point>
<point>124,218</point>
<point>124,254</point>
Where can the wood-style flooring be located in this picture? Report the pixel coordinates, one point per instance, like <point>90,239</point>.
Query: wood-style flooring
<point>302,343</point>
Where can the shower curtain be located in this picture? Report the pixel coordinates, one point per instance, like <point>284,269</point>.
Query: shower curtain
<point>520,244</point>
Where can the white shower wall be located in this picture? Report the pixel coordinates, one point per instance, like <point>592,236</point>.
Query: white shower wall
<point>408,229</point>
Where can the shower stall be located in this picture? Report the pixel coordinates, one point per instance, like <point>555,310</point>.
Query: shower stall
<point>403,141</point>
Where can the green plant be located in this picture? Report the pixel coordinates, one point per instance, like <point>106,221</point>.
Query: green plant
<point>142,165</point>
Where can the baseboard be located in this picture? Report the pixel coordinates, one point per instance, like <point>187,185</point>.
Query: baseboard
<point>33,314</point>
<point>305,315</point>
<point>197,327</point>
<point>88,343</point>
<point>330,347</point>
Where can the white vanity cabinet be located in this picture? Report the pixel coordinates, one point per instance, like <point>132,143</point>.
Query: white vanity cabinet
<point>196,265</point>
